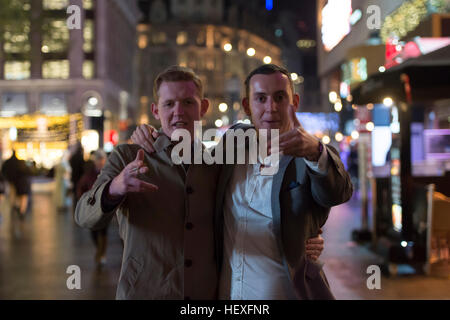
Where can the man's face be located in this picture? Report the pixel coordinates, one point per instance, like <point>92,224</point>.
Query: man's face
<point>179,105</point>
<point>270,96</point>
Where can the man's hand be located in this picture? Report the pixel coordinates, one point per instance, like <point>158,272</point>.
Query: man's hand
<point>297,142</point>
<point>314,247</point>
<point>145,136</point>
<point>127,181</point>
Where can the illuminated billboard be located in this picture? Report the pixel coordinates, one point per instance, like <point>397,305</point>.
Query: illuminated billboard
<point>335,22</point>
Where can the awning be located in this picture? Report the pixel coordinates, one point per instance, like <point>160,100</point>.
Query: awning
<point>429,77</point>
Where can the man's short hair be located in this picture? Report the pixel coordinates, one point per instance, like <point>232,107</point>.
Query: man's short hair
<point>267,69</point>
<point>177,73</point>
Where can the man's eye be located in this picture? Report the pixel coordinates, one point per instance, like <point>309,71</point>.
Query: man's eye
<point>261,99</point>
<point>168,104</point>
<point>279,98</point>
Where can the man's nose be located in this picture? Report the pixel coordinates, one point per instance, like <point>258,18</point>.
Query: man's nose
<point>271,105</point>
<point>178,109</point>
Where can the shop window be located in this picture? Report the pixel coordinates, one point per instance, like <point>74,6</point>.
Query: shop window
<point>13,103</point>
<point>88,69</point>
<point>53,104</point>
<point>55,36</point>
<point>55,69</point>
<point>55,4</point>
<point>17,41</point>
<point>182,38</point>
<point>17,70</point>
<point>88,35</point>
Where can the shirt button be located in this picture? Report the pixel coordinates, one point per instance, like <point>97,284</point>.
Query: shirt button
<point>189,226</point>
<point>188,263</point>
<point>189,190</point>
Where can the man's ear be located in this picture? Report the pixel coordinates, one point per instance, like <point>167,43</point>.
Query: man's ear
<point>246,105</point>
<point>296,101</point>
<point>155,111</point>
<point>204,107</point>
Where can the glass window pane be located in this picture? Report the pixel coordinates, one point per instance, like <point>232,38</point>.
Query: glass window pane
<point>88,5</point>
<point>53,104</point>
<point>55,69</point>
<point>88,34</point>
<point>88,69</point>
<point>55,4</point>
<point>14,103</point>
<point>55,36</point>
<point>15,40</point>
<point>17,70</point>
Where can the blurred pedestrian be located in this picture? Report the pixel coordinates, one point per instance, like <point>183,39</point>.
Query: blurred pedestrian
<point>76,162</point>
<point>92,169</point>
<point>18,174</point>
<point>62,173</point>
<point>2,192</point>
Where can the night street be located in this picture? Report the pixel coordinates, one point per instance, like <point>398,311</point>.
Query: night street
<point>38,251</point>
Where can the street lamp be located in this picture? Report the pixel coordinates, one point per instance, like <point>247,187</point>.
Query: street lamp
<point>223,107</point>
<point>267,59</point>
<point>338,106</point>
<point>251,52</point>
<point>227,47</point>
<point>388,102</point>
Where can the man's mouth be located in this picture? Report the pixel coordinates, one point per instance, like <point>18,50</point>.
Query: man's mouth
<point>179,124</point>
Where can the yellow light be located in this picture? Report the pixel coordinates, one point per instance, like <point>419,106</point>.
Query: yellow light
<point>218,123</point>
<point>338,136</point>
<point>370,106</point>
<point>227,47</point>
<point>45,49</point>
<point>267,59</point>
<point>326,139</point>
<point>332,96</point>
<point>355,135</point>
<point>223,107</point>
<point>294,76</point>
<point>251,52</point>
<point>388,102</point>
<point>370,126</point>
<point>338,106</point>
<point>236,106</point>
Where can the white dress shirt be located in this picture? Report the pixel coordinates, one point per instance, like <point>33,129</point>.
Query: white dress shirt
<point>252,266</point>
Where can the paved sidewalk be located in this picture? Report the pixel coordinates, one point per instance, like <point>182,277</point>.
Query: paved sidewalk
<point>346,264</point>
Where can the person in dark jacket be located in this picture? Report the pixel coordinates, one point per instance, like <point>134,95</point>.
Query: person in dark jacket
<point>76,162</point>
<point>18,174</point>
<point>91,171</point>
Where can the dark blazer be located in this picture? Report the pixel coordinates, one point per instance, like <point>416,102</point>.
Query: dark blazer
<point>301,202</point>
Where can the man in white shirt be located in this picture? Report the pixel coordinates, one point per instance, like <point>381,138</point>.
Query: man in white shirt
<point>266,218</point>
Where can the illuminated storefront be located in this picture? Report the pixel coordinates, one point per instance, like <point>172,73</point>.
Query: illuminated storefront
<point>39,138</point>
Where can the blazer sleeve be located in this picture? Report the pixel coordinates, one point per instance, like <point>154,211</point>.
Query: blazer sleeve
<point>335,186</point>
<point>89,212</point>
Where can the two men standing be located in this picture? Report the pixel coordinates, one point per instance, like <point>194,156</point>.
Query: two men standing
<point>208,231</point>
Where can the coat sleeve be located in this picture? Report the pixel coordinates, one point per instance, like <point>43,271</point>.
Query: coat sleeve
<point>335,186</point>
<point>89,212</point>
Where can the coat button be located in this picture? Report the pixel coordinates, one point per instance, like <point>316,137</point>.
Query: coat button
<point>189,226</point>
<point>189,190</point>
<point>187,263</point>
